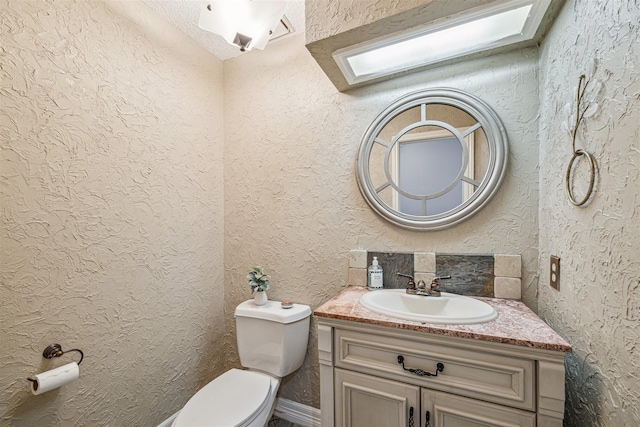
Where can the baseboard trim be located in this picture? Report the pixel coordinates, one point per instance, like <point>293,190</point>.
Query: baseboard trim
<point>306,416</point>
<point>168,421</point>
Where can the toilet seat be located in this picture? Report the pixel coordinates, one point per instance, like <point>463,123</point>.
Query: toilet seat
<point>234,399</point>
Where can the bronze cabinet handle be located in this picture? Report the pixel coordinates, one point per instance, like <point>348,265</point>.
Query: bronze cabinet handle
<point>420,372</point>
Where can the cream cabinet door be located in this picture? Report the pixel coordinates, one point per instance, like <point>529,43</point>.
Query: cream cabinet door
<point>448,410</point>
<point>367,401</point>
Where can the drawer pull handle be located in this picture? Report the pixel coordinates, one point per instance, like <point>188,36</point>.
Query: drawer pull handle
<point>427,419</point>
<point>420,372</point>
<point>411,422</point>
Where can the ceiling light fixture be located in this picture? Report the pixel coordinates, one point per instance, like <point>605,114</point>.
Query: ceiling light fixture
<point>247,24</point>
<point>481,29</point>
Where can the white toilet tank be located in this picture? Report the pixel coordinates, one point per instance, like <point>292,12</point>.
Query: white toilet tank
<point>272,339</point>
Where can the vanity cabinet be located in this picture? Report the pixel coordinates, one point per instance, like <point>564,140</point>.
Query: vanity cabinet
<point>363,400</point>
<point>373,375</point>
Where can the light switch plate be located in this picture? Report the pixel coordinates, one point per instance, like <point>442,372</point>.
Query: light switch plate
<point>554,272</point>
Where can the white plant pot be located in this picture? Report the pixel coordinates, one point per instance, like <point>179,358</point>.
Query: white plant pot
<point>260,297</point>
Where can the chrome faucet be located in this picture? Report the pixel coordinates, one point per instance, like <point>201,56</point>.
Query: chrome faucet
<point>433,290</point>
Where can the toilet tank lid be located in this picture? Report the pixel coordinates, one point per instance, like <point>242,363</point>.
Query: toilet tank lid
<point>273,311</point>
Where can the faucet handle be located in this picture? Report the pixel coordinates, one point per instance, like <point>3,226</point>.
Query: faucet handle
<point>410,284</point>
<point>435,283</point>
<point>434,288</point>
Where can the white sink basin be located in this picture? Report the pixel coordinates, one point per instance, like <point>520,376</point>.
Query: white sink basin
<point>447,308</point>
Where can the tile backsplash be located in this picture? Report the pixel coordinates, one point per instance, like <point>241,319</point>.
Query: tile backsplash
<point>471,275</point>
<point>484,275</point>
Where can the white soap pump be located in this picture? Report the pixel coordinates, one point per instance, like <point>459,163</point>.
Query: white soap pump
<point>374,275</point>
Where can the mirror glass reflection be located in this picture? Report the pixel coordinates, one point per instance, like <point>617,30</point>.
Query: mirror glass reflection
<point>426,170</point>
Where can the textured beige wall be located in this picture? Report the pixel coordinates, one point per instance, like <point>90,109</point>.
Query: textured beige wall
<point>292,202</point>
<point>326,18</point>
<point>112,202</point>
<point>598,306</point>
<point>111,234</point>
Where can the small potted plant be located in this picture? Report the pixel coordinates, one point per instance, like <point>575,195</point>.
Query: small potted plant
<point>259,282</point>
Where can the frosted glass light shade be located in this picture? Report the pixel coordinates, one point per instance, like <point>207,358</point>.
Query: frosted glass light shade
<point>481,29</point>
<point>244,23</point>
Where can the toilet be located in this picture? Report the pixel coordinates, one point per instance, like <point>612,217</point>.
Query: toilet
<point>272,343</point>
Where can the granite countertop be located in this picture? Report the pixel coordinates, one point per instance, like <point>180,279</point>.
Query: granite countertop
<point>516,323</point>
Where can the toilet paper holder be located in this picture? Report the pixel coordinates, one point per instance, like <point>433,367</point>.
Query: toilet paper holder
<point>55,350</point>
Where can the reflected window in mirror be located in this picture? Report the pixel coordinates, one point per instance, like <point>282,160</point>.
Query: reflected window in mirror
<point>427,163</point>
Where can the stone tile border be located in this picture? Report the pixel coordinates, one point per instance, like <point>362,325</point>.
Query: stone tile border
<point>507,271</point>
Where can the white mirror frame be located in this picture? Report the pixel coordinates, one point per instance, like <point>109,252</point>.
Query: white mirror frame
<point>497,165</point>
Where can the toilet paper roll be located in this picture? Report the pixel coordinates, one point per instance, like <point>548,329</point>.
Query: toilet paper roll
<point>55,378</point>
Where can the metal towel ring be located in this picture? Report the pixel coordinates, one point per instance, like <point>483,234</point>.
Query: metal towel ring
<point>592,178</point>
<point>580,112</point>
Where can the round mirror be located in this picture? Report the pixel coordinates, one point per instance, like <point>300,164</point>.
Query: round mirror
<point>432,159</point>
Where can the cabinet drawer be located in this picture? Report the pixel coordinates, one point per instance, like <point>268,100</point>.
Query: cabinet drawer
<point>490,377</point>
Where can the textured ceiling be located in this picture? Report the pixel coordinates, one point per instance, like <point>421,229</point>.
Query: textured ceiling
<point>184,14</point>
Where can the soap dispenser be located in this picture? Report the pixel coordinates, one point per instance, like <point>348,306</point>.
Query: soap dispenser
<point>374,275</point>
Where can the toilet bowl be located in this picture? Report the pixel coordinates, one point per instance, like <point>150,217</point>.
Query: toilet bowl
<point>272,343</point>
<point>237,398</point>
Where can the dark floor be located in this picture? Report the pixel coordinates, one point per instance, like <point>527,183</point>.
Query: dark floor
<point>276,422</point>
